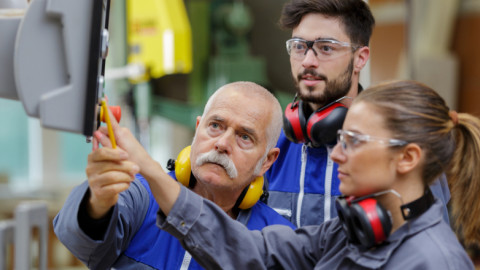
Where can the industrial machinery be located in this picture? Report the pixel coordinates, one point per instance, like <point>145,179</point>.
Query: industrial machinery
<point>52,59</point>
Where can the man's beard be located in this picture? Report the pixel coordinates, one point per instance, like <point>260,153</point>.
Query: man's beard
<point>334,88</point>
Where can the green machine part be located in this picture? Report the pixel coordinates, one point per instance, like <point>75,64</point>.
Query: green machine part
<point>232,60</point>
<point>221,54</point>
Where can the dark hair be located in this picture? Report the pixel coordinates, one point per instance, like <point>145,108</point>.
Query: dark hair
<point>415,113</point>
<point>354,14</point>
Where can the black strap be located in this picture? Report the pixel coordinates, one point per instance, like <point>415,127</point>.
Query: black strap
<point>419,206</point>
<point>265,194</point>
<point>193,181</point>
<point>240,198</point>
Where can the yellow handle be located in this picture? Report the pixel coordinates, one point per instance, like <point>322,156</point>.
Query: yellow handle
<point>109,124</point>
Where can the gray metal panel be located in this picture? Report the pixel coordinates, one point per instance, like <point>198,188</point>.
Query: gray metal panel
<point>6,239</point>
<point>51,62</point>
<point>30,215</point>
<point>8,29</point>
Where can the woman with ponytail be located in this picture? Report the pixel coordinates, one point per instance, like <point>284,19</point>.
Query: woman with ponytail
<point>450,141</point>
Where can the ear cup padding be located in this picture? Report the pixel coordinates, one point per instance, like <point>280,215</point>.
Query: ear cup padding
<point>322,125</point>
<point>253,193</point>
<point>183,168</point>
<point>371,222</point>
<point>345,215</point>
<point>292,123</point>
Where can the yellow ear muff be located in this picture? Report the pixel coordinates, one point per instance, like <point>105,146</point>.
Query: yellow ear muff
<point>183,173</point>
<point>253,193</point>
<point>183,169</point>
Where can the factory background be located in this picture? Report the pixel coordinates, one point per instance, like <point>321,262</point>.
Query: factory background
<point>215,42</point>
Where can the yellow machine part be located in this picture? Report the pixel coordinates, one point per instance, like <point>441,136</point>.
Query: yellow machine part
<point>159,37</point>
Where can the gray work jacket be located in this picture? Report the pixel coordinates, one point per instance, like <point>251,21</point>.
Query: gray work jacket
<point>217,242</point>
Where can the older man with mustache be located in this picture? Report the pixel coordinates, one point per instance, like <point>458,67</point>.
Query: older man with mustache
<point>109,221</point>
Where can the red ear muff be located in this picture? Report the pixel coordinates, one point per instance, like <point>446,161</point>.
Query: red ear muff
<point>320,128</point>
<point>323,124</point>
<point>368,224</point>
<point>293,123</point>
<point>365,221</point>
<point>371,222</point>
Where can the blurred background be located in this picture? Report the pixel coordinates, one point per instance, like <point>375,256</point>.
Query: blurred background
<point>167,56</point>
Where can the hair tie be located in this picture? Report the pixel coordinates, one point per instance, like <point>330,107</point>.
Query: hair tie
<point>454,116</point>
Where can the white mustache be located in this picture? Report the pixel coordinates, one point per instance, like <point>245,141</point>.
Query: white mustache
<point>220,159</point>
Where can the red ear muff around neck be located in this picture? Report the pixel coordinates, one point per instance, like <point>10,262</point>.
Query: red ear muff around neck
<point>323,124</point>
<point>320,128</point>
<point>293,123</point>
<point>345,215</point>
<point>365,221</point>
<point>371,222</point>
